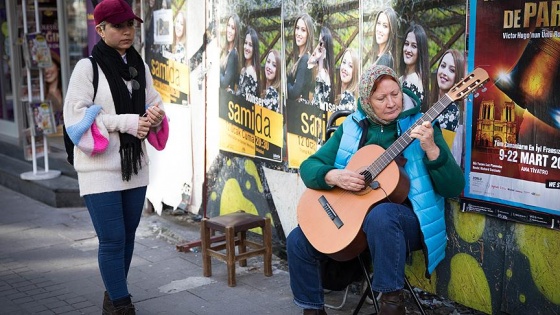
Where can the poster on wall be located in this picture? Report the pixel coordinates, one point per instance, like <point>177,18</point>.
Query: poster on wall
<point>165,49</point>
<point>512,163</point>
<point>322,72</point>
<point>251,98</point>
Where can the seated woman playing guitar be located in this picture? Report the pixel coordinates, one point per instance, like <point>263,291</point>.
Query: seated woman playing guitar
<point>393,227</point>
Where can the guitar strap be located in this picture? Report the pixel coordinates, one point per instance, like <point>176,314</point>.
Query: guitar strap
<point>364,124</point>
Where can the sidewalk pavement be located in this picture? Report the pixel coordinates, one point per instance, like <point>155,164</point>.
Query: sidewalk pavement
<point>48,265</point>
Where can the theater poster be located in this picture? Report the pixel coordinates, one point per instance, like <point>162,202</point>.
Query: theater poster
<point>512,161</point>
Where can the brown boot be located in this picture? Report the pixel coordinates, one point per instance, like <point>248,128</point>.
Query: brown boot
<point>128,309</point>
<point>314,312</point>
<point>110,309</point>
<point>392,303</point>
<point>107,304</point>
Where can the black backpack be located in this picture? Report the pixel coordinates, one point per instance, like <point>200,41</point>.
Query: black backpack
<point>68,144</point>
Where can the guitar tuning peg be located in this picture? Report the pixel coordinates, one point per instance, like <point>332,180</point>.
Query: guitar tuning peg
<point>476,95</point>
<point>484,89</point>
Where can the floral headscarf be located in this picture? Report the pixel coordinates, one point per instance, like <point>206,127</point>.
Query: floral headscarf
<point>366,84</point>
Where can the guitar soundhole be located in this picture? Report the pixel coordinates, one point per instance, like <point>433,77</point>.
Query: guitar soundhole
<point>368,176</point>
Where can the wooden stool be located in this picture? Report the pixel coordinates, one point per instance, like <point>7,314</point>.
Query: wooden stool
<point>234,228</point>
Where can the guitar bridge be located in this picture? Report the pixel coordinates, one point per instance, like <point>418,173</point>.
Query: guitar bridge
<point>330,212</point>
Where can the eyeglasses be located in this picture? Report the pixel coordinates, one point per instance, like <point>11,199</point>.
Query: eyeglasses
<point>133,74</point>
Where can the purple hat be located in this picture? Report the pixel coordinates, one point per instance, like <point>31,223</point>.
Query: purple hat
<point>114,12</point>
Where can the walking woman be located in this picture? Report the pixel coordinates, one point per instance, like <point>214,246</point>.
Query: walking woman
<point>108,129</point>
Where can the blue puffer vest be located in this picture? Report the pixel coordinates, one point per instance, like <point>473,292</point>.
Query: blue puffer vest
<point>427,205</point>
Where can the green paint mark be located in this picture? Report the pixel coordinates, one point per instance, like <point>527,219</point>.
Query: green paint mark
<point>541,246</point>
<point>251,169</point>
<point>522,298</point>
<point>468,284</point>
<point>469,226</point>
<point>509,273</point>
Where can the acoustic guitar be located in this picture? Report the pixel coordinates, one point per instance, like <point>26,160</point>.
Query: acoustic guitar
<point>332,219</point>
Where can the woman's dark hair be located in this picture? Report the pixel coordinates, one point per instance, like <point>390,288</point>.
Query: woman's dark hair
<point>255,59</point>
<point>328,62</point>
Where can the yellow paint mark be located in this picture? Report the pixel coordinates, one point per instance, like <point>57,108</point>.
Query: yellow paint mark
<point>522,298</point>
<point>248,184</point>
<point>509,273</point>
<point>268,215</point>
<point>541,246</point>
<point>416,273</point>
<point>228,162</point>
<point>468,284</point>
<point>500,235</point>
<point>469,226</point>
<point>233,200</point>
<point>213,196</point>
<point>251,169</point>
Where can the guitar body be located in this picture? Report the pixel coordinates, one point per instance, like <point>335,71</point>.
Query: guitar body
<point>348,240</point>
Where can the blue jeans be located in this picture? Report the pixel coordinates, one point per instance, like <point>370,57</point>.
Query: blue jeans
<point>392,231</point>
<point>115,216</point>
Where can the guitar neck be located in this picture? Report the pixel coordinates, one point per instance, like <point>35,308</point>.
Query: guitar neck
<point>405,139</point>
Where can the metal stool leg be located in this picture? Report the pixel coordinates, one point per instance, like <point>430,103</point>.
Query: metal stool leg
<point>416,299</point>
<point>368,291</point>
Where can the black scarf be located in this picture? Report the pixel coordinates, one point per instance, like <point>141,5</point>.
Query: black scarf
<point>115,69</point>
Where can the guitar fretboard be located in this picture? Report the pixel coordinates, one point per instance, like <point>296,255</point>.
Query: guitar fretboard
<point>404,140</point>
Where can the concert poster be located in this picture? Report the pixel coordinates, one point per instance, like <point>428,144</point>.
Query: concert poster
<point>328,47</point>
<point>166,49</point>
<point>512,161</point>
<point>305,128</point>
<point>248,128</point>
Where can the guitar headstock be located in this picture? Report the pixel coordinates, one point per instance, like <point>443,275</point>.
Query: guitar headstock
<point>469,84</point>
